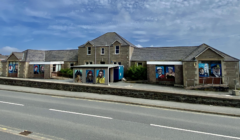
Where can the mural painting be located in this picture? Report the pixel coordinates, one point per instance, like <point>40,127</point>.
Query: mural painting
<point>15,68</point>
<point>89,76</point>
<point>78,76</point>
<point>160,73</point>
<point>10,69</point>
<point>170,72</point>
<point>165,73</point>
<point>203,70</point>
<point>216,70</point>
<point>36,69</point>
<point>41,69</point>
<point>100,77</point>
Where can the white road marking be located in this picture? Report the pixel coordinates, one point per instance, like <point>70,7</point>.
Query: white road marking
<point>80,114</point>
<point>11,103</point>
<point>199,132</point>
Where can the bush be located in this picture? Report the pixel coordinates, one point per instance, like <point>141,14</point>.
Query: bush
<point>66,73</point>
<point>137,73</point>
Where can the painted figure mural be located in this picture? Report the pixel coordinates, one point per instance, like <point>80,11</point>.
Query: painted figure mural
<point>78,76</point>
<point>36,69</point>
<point>10,68</point>
<point>100,77</point>
<point>41,69</point>
<point>216,70</point>
<point>160,73</point>
<point>203,70</point>
<point>15,68</point>
<point>89,77</point>
<point>170,72</point>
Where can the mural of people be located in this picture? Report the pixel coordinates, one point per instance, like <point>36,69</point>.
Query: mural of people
<point>216,70</point>
<point>41,69</point>
<point>15,68</point>
<point>78,76</point>
<point>89,78</point>
<point>203,70</point>
<point>160,73</point>
<point>170,72</point>
<point>36,70</point>
<point>100,77</point>
<point>10,69</point>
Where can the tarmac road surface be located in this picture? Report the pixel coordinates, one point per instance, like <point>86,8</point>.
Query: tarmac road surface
<point>50,117</point>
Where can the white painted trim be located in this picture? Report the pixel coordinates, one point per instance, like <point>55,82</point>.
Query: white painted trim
<point>164,63</point>
<point>56,62</point>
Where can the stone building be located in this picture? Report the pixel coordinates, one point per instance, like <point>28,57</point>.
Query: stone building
<point>38,63</point>
<point>187,65</point>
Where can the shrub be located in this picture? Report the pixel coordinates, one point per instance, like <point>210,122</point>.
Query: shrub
<point>137,73</point>
<point>66,72</point>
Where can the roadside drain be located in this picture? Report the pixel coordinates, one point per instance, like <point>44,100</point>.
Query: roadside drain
<point>25,133</point>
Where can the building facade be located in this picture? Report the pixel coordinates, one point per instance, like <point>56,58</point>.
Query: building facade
<point>186,65</point>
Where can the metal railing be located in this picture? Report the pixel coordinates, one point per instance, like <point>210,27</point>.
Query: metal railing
<point>207,78</point>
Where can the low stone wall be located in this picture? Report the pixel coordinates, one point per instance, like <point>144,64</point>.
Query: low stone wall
<point>123,91</point>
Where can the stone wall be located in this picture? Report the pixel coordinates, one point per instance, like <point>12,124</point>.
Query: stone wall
<point>123,56</point>
<point>190,71</point>
<point>47,72</point>
<point>230,73</point>
<point>1,68</point>
<point>121,91</point>
<point>67,64</point>
<point>4,68</point>
<point>178,74</point>
<point>144,63</point>
<point>151,75</point>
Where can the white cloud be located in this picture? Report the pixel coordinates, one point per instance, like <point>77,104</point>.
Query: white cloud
<point>7,50</point>
<point>142,40</point>
<point>138,45</point>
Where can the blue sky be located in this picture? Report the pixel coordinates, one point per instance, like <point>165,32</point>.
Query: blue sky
<point>66,24</point>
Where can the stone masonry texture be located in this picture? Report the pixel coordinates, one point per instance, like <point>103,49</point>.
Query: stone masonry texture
<point>156,95</point>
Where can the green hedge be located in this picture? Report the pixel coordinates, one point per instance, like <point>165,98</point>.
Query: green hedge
<point>66,73</point>
<point>137,73</point>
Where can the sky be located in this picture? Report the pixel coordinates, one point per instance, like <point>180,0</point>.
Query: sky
<point>67,24</point>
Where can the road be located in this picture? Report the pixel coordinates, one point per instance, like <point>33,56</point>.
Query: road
<point>78,119</point>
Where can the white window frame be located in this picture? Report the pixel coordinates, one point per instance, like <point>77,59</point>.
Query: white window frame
<point>102,51</point>
<point>116,49</point>
<point>58,67</point>
<point>89,49</point>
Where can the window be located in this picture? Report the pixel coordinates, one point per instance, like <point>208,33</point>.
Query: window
<point>117,50</point>
<point>86,63</point>
<point>102,62</point>
<point>139,64</point>
<point>71,65</point>
<point>102,51</point>
<point>119,63</point>
<point>89,50</point>
<point>57,67</point>
<point>90,63</point>
<point>115,63</point>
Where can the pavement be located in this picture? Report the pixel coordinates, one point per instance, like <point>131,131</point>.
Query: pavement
<point>58,118</point>
<point>229,111</point>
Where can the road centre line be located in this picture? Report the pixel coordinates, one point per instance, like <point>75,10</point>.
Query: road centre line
<point>11,103</point>
<point>80,114</point>
<point>199,132</point>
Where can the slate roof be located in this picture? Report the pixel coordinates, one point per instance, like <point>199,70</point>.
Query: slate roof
<point>34,55</point>
<point>61,55</point>
<point>162,53</point>
<point>185,53</point>
<point>19,55</point>
<point>3,57</point>
<point>108,39</point>
<point>203,47</point>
